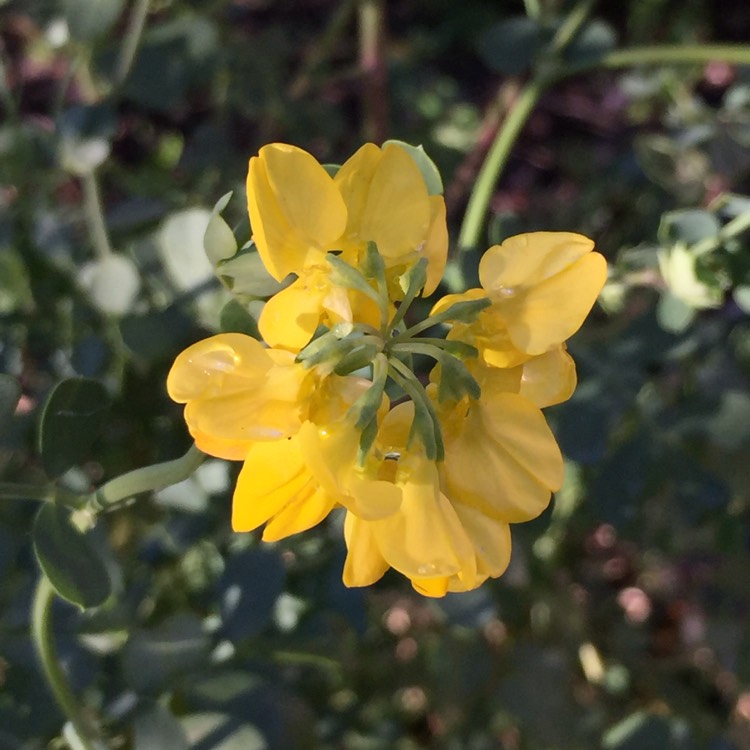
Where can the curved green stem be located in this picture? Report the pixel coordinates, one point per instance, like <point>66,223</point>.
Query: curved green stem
<point>42,634</point>
<point>497,158</point>
<point>94,213</point>
<point>130,42</point>
<point>494,164</point>
<point>147,479</point>
<point>44,493</point>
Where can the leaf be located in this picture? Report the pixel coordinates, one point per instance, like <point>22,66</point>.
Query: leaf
<point>10,392</point>
<point>674,315</point>
<point>67,557</point>
<point>154,658</point>
<point>112,283</point>
<point>595,40</point>
<point>158,729</point>
<point>221,732</point>
<point>427,167</point>
<point>741,296</point>
<point>237,318</point>
<point>248,589</point>
<point>180,244</point>
<point>687,226</point>
<point>245,274</point>
<point>218,240</point>
<point>511,46</point>
<point>89,19</point>
<point>73,415</point>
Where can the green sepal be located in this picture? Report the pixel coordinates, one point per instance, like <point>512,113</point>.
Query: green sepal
<point>366,440</point>
<point>361,355</point>
<point>413,280</point>
<point>462,312</point>
<point>350,277</point>
<point>456,380</point>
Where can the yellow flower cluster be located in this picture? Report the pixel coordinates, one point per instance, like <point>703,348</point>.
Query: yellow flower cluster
<point>432,481</point>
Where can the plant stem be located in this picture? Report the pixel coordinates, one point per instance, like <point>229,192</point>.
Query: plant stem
<point>147,479</point>
<point>493,165</point>
<point>497,158</point>
<point>372,67</point>
<point>668,54</point>
<point>736,226</point>
<point>130,42</point>
<point>94,214</point>
<point>533,9</point>
<point>43,636</point>
<point>35,492</point>
<point>570,26</point>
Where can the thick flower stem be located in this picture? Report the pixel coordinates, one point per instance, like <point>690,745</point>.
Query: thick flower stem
<point>94,213</point>
<point>147,479</point>
<point>130,42</point>
<point>43,636</point>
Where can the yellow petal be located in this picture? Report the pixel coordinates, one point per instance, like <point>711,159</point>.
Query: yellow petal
<point>272,476</point>
<point>434,587</point>
<point>289,319</point>
<point>549,378</point>
<point>550,312</point>
<point>451,299</point>
<point>230,450</point>
<point>490,539</point>
<point>424,539</point>
<point>353,182</point>
<point>521,464</point>
<point>294,207</point>
<point>436,245</point>
<point>364,564</point>
<point>306,510</point>
<point>217,366</point>
<point>528,259</point>
<point>396,215</point>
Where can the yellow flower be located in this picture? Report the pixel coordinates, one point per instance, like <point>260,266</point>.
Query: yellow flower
<point>237,392</point>
<point>451,530</point>
<point>541,286</point>
<point>299,213</point>
<point>246,402</point>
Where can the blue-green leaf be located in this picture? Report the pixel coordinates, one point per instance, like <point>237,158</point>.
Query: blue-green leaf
<point>75,411</point>
<point>67,557</point>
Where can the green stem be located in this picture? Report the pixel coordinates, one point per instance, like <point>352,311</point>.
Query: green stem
<point>497,158</point>
<point>147,479</point>
<point>130,42</point>
<point>668,54</point>
<point>736,226</point>
<point>570,26</point>
<point>44,493</point>
<point>43,636</point>
<point>94,214</point>
<point>533,9</point>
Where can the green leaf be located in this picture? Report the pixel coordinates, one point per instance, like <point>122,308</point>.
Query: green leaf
<point>221,732</point>
<point>67,557</point>
<point>219,241</point>
<point>10,392</point>
<point>112,283</point>
<point>158,729</point>
<point>688,226</point>
<point>180,244</point>
<point>741,296</point>
<point>236,318</point>
<point>153,658</point>
<point>245,275</point>
<point>427,167</point>
<point>511,46</point>
<point>90,19</point>
<point>595,40</point>
<point>674,315</point>
<point>75,411</point>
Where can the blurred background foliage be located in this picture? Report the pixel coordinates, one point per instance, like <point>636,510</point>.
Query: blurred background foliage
<point>622,622</point>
